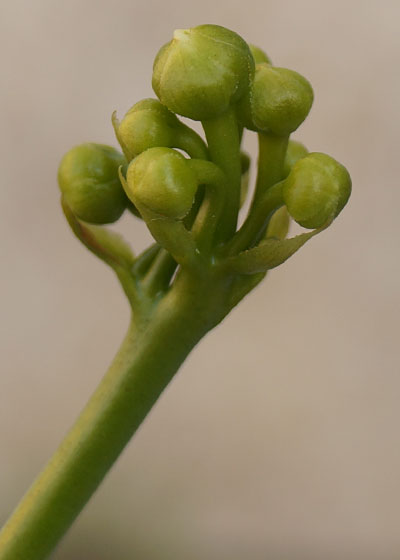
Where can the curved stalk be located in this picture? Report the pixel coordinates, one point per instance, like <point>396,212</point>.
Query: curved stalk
<point>111,249</point>
<point>256,222</point>
<point>271,157</point>
<point>189,141</point>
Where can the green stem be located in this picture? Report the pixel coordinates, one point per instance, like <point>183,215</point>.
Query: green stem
<point>110,248</point>
<point>224,147</point>
<point>189,141</point>
<point>148,359</point>
<point>198,200</point>
<point>144,261</point>
<point>159,274</point>
<point>257,221</point>
<point>205,224</point>
<point>271,157</point>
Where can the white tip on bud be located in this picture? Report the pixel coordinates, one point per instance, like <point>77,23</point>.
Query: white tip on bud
<point>181,34</point>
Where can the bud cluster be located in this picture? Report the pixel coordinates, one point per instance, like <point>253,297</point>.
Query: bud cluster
<point>210,74</point>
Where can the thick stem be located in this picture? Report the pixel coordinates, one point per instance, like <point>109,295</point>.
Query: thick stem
<point>146,362</point>
<point>224,147</point>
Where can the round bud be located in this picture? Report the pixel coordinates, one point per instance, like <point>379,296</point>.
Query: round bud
<point>295,151</point>
<point>316,190</point>
<point>160,180</point>
<point>279,101</point>
<point>259,55</point>
<point>202,71</point>
<point>88,180</point>
<point>146,125</point>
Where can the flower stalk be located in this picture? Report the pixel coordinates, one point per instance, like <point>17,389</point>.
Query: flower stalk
<point>200,265</point>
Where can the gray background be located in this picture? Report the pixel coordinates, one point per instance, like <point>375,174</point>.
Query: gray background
<point>279,437</point>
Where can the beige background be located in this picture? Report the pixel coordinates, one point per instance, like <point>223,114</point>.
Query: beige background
<point>279,438</point>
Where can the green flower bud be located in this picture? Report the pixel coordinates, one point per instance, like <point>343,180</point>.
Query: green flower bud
<point>316,190</point>
<point>88,180</point>
<point>259,55</point>
<point>202,71</point>
<point>160,180</point>
<point>295,151</point>
<point>149,124</point>
<point>279,101</point>
<point>146,125</point>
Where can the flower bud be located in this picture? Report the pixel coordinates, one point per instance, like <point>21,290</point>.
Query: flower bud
<point>295,151</point>
<point>316,190</point>
<point>146,125</point>
<point>202,71</point>
<point>88,180</point>
<point>149,124</point>
<point>259,55</point>
<point>160,180</point>
<point>279,101</point>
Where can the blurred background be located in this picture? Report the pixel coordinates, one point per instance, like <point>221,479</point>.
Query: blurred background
<point>279,438</point>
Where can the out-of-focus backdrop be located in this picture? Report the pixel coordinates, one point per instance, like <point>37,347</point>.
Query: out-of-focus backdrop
<point>279,438</point>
